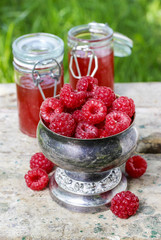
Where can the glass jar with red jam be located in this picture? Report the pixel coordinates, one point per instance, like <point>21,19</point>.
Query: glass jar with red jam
<point>38,70</point>
<point>91,52</point>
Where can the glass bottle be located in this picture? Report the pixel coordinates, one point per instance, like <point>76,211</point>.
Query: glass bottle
<point>92,48</point>
<point>38,73</point>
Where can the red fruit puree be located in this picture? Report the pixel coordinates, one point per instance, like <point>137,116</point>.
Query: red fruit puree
<point>105,71</point>
<point>29,100</point>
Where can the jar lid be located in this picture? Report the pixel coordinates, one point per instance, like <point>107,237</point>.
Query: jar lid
<point>31,48</point>
<point>94,32</point>
<point>90,33</point>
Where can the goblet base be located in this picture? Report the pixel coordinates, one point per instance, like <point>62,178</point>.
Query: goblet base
<point>86,192</point>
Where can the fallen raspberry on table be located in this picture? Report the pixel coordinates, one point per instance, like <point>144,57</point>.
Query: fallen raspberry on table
<point>70,98</point>
<point>36,179</point>
<point>124,204</point>
<point>136,166</point>
<point>63,124</point>
<point>38,160</point>
<point>49,107</point>
<point>94,111</point>
<point>124,104</point>
<point>105,94</point>
<point>86,131</point>
<point>116,122</point>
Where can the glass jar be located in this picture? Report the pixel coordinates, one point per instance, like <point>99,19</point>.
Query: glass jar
<point>91,52</point>
<point>38,71</point>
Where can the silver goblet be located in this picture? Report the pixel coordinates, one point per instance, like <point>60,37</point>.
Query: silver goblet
<point>88,174</point>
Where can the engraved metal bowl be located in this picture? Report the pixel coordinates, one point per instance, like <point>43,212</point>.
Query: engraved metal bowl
<point>88,173</point>
<point>89,155</point>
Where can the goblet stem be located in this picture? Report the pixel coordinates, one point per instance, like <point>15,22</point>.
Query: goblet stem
<point>83,192</point>
<point>87,177</point>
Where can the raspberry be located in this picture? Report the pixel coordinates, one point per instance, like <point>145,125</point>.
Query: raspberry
<point>101,130</point>
<point>70,98</point>
<point>124,104</point>
<point>86,131</point>
<point>49,107</point>
<point>94,111</point>
<point>100,125</point>
<point>38,160</point>
<point>136,166</point>
<point>63,124</point>
<point>90,94</point>
<point>103,133</point>
<point>78,116</point>
<point>124,204</point>
<point>105,94</point>
<point>36,179</point>
<point>116,122</point>
<point>82,84</point>
<point>86,83</point>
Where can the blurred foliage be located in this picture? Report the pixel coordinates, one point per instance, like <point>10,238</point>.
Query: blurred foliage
<point>138,19</point>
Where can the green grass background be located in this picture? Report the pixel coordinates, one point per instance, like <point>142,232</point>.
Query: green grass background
<point>138,19</point>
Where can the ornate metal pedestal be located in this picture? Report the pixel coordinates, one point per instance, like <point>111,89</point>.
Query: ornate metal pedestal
<point>86,193</point>
<point>88,173</point>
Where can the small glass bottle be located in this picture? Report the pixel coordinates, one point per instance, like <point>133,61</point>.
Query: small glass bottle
<point>91,52</point>
<point>38,71</point>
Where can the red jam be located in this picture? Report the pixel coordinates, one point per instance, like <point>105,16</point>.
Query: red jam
<point>105,72</point>
<point>29,100</point>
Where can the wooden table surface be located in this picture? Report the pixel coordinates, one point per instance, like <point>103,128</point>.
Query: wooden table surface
<point>25,214</point>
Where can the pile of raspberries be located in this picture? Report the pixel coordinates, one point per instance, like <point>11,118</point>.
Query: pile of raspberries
<point>90,111</point>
